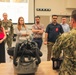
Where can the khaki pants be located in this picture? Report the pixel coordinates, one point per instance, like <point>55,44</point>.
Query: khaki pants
<point>49,48</point>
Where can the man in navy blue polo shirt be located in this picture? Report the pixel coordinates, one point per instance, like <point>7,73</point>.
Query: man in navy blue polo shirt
<point>53,30</point>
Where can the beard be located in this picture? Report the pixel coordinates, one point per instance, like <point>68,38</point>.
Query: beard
<point>38,22</point>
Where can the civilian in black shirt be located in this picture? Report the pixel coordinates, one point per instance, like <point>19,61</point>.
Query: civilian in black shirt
<point>53,30</point>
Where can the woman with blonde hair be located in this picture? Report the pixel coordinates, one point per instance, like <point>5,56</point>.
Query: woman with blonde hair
<point>21,30</point>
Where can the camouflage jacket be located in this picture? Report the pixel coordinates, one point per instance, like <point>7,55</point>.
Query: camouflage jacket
<point>67,43</point>
<point>9,25</point>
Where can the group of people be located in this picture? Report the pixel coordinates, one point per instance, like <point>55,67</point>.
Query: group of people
<point>21,30</point>
<point>53,30</point>
<point>57,37</point>
<point>6,33</point>
<point>67,43</point>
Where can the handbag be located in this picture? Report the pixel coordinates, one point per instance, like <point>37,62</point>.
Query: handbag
<point>56,63</point>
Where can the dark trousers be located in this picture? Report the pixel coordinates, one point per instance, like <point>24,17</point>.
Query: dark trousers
<point>2,52</point>
<point>38,41</point>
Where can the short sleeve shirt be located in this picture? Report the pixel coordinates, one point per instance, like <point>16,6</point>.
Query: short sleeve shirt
<point>37,28</point>
<point>53,31</point>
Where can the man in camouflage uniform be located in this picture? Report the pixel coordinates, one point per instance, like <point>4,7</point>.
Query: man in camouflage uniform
<point>67,43</point>
<point>7,24</point>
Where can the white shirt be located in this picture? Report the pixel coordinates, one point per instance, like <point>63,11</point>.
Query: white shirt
<point>20,38</point>
<point>65,27</point>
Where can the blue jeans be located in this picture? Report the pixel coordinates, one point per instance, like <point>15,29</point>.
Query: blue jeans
<point>38,41</point>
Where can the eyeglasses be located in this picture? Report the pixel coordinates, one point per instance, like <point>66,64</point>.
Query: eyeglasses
<point>54,18</point>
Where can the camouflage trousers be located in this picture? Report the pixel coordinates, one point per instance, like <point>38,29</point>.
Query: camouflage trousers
<point>67,68</point>
<point>66,73</point>
<point>49,48</point>
<point>9,41</point>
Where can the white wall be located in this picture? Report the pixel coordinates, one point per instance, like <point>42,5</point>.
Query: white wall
<point>58,7</point>
<point>71,4</point>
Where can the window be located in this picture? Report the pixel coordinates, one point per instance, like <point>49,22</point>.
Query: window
<point>17,8</point>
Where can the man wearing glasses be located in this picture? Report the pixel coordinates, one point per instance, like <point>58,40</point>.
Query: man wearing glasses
<point>53,30</point>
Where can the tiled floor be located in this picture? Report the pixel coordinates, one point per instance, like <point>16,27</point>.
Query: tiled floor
<point>43,50</point>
